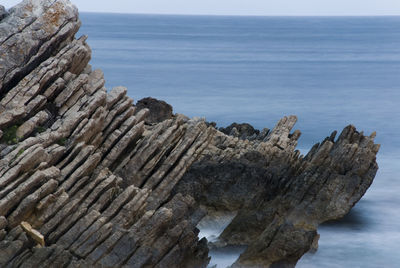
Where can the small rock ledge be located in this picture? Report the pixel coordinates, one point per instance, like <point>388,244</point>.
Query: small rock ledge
<point>88,179</point>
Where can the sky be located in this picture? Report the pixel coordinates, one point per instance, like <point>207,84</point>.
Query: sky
<point>241,7</point>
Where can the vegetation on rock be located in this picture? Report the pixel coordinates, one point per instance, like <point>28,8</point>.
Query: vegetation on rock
<point>10,135</point>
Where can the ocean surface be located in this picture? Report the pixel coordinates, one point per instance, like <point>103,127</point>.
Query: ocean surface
<point>329,71</point>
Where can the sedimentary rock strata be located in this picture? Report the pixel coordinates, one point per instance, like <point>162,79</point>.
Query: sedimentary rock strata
<point>281,197</point>
<point>89,179</point>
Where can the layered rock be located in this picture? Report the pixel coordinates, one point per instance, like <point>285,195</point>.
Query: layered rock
<point>281,197</point>
<point>89,179</point>
<point>69,142</point>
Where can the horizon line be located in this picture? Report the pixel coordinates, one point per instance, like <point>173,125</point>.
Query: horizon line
<point>235,15</point>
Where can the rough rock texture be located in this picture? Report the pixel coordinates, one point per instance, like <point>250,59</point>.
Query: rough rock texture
<point>245,131</point>
<point>73,142</point>
<point>80,168</point>
<point>158,110</point>
<point>281,197</point>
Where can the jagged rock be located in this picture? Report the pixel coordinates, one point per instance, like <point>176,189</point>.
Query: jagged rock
<point>242,131</point>
<point>159,110</point>
<point>107,183</point>
<point>280,205</point>
<point>46,25</point>
<point>115,95</point>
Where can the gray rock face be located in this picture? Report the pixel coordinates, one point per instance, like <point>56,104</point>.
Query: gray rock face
<point>46,25</point>
<point>110,184</point>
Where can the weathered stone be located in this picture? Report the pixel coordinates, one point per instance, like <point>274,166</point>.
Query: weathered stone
<point>8,250</point>
<point>13,198</point>
<point>68,92</point>
<point>34,234</point>
<point>95,188</point>
<point>120,107</point>
<point>121,145</point>
<point>92,230</point>
<point>46,25</point>
<point>123,121</point>
<point>115,95</point>
<point>25,208</point>
<point>29,126</point>
<point>85,169</point>
<point>73,233</point>
<point>3,222</point>
<point>132,211</point>
<point>12,115</point>
<point>48,207</point>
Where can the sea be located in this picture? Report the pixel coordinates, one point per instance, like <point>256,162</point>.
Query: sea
<point>329,71</point>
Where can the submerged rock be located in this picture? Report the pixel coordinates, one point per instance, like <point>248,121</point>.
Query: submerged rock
<point>107,183</point>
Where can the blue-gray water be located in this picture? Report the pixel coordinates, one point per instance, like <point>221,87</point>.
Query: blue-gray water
<point>329,71</point>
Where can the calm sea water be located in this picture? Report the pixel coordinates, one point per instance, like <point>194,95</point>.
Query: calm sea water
<point>329,71</point>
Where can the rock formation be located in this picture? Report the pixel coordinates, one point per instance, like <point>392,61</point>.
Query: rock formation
<point>245,131</point>
<point>281,197</point>
<point>89,179</point>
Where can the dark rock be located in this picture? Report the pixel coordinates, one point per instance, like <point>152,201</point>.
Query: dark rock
<point>212,124</point>
<point>3,12</point>
<point>159,110</point>
<point>228,185</point>
<point>242,131</point>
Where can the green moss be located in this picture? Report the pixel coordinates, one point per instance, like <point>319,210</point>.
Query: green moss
<point>21,151</point>
<point>10,135</point>
<point>62,141</point>
<point>40,129</point>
